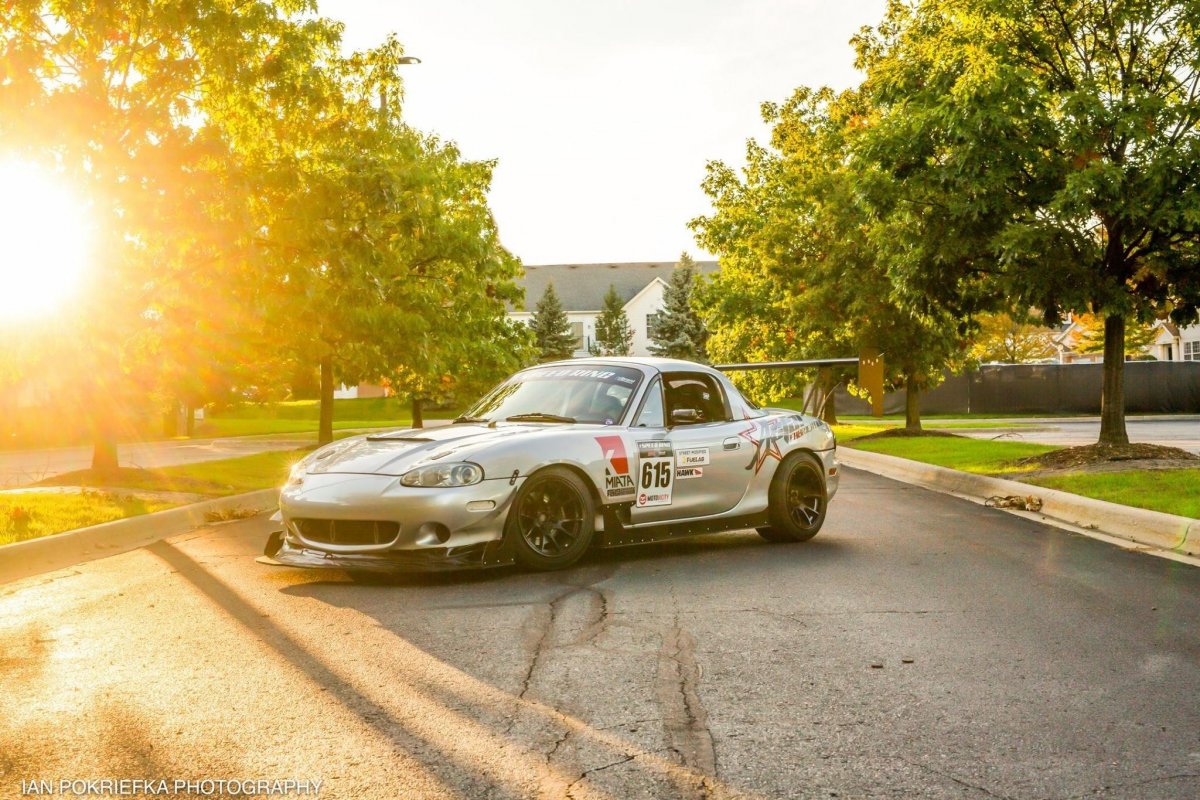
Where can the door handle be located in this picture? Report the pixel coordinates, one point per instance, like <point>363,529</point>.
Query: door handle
<point>733,443</point>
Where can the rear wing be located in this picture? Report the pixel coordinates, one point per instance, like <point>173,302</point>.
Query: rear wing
<point>870,373</point>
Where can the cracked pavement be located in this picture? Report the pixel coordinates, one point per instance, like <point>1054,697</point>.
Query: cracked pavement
<point>1043,665</point>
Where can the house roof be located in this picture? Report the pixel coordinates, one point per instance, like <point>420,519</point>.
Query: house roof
<point>582,287</point>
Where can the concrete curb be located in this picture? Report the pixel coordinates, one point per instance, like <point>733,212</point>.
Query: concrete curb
<point>1150,528</point>
<point>48,553</point>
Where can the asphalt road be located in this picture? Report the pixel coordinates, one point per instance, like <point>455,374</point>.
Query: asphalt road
<point>1044,664</point>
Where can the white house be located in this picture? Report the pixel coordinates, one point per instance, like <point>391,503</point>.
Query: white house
<point>582,287</point>
<point>1171,343</point>
<point>1175,343</point>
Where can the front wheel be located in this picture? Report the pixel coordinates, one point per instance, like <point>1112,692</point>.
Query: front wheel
<point>796,500</point>
<point>552,520</point>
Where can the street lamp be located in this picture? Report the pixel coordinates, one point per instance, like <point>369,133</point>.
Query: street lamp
<point>409,60</point>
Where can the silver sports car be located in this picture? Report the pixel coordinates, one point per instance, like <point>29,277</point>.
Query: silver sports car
<point>558,458</point>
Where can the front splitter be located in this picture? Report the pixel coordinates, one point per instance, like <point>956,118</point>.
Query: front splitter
<point>434,559</point>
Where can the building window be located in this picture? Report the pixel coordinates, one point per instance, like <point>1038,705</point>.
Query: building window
<point>1191,351</point>
<point>577,332</point>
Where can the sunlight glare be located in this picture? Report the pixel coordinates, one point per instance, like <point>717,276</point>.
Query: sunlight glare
<point>43,242</point>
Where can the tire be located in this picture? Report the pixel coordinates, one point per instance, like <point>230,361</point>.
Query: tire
<point>552,520</point>
<point>796,500</point>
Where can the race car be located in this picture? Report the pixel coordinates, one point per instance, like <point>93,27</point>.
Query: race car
<point>561,457</point>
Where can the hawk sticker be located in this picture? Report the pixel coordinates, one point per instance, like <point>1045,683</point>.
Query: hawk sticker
<point>617,480</point>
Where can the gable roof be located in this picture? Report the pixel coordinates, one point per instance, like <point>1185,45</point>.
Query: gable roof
<point>582,286</point>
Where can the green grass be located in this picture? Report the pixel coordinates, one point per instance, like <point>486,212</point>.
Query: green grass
<point>258,427</point>
<point>969,455</point>
<point>1170,491</point>
<point>28,515</point>
<point>210,478</point>
<point>301,416</point>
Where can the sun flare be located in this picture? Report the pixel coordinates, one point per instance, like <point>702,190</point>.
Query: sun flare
<point>43,242</point>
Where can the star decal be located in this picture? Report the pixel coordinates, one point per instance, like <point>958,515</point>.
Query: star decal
<point>764,447</point>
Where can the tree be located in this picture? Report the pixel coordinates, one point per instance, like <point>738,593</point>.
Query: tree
<point>552,335</point>
<point>614,337</point>
<point>1091,202</point>
<point>1011,338</point>
<point>1091,335</point>
<point>121,97</point>
<point>803,275</point>
<point>678,332</point>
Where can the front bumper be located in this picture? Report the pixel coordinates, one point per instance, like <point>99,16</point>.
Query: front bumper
<point>443,528</point>
<point>833,471</point>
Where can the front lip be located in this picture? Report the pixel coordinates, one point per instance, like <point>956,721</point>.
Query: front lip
<point>485,555</point>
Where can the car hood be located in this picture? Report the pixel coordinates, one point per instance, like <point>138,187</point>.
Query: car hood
<point>396,452</point>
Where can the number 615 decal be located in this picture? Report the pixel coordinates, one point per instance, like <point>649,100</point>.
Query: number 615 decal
<point>656,473</point>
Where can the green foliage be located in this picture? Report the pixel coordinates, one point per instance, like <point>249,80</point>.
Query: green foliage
<point>614,337</point>
<point>29,515</point>
<point>678,331</point>
<point>803,274</point>
<point>1045,151</point>
<point>552,336</point>
<point>1011,338</point>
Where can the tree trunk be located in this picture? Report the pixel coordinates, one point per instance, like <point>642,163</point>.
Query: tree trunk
<point>912,404</point>
<point>1112,394</point>
<point>418,421</point>
<point>190,420</point>
<point>325,428</point>
<point>104,453</point>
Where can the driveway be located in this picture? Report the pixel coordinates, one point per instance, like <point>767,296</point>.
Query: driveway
<point>920,646</point>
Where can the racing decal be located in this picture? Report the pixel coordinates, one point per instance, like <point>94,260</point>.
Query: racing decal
<point>766,443</point>
<point>617,480</point>
<point>656,473</point>
<point>683,473</point>
<point>692,457</point>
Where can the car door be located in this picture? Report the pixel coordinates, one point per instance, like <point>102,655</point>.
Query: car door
<point>692,468</point>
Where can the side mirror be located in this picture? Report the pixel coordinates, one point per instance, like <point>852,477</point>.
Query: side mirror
<point>685,416</point>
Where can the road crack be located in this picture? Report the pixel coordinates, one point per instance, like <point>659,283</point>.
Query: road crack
<point>685,720</point>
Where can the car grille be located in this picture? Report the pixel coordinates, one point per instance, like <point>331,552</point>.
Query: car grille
<point>348,531</point>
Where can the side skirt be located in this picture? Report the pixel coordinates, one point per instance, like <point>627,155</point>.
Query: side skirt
<point>616,534</point>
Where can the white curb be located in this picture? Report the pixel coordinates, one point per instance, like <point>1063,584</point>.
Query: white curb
<point>48,553</point>
<point>1150,528</point>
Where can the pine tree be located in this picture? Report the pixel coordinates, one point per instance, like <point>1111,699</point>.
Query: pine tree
<point>614,337</point>
<point>551,329</point>
<point>678,331</point>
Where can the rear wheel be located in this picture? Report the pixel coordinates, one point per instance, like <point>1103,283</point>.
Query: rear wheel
<point>551,522</point>
<point>797,502</point>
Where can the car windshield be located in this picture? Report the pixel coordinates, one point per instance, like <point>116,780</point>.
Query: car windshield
<point>594,395</point>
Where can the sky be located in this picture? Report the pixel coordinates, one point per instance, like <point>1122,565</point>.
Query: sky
<point>603,114</point>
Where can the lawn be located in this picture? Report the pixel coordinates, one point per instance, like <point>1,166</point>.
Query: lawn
<point>1171,491</point>
<point>969,455</point>
<point>210,478</point>
<point>301,416</point>
<point>28,515</point>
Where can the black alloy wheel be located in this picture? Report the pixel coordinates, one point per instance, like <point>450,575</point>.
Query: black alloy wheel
<point>552,519</point>
<point>797,501</point>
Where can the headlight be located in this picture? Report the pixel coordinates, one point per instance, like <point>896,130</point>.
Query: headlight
<point>463,474</point>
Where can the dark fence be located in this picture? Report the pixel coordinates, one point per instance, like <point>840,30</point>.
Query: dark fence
<point>1158,387</point>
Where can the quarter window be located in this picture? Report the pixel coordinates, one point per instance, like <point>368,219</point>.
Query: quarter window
<point>651,415</point>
